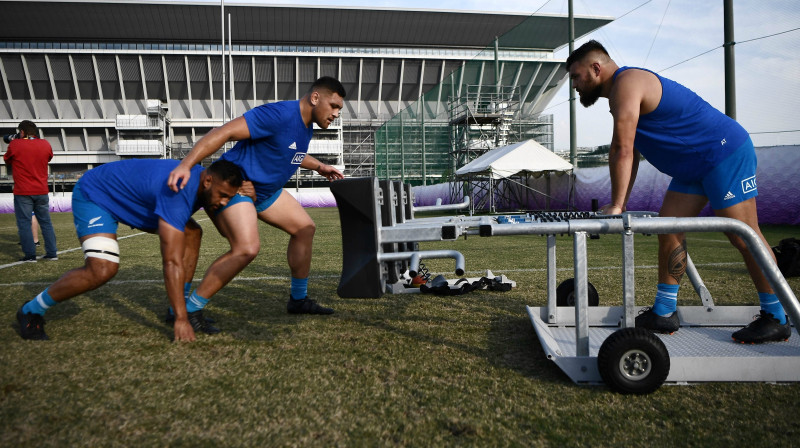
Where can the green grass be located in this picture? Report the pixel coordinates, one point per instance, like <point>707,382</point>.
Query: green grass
<point>405,370</point>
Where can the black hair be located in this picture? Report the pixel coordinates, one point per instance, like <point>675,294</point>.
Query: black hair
<point>29,128</point>
<point>330,84</point>
<point>226,171</point>
<point>584,50</point>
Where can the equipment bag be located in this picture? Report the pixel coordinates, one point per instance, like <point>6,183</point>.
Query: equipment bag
<point>787,252</point>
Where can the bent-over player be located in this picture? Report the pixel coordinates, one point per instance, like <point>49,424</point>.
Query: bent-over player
<point>133,192</point>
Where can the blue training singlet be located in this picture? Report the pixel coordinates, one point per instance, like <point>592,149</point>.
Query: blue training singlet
<point>685,137</point>
<point>135,192</point>
<point>277,145</point>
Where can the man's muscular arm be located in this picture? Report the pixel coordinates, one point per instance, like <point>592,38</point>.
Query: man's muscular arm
<point>625,103</point>
<point>327,171</point>
<point>234,130</point>
<point>172,250</point>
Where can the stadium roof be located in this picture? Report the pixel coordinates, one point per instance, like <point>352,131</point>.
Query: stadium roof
<point>192,22</point>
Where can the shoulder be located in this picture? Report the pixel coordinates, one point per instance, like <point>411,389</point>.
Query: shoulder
<point>276,107</point>
<point>270,112</point>
<point>636,78</point>
<point>196,169</point>
<point>632,86</point>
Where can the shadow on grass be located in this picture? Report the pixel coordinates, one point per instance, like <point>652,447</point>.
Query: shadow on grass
<point>62,313</point>
<point>511,340</point>
<point>10,250</point>
<point>513,344</point>
<point>256,309</point>
<point>245,309</point>
<point>142,303</point>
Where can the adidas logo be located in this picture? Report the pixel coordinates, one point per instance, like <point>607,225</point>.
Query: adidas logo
<point>293,145</point>
<point>728,196</point>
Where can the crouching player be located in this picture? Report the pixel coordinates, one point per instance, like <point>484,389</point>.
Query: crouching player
<point>134,192</point>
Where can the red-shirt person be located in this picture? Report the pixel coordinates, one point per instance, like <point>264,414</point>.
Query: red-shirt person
<point>28,159</point>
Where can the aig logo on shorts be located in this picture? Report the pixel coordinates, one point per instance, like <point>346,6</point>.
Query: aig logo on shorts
<point>749,184</point>
<point>299,156</point>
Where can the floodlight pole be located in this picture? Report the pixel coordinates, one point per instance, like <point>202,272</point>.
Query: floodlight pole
<point>222,53</point>
<point>730,65</point>
<point>573,122</point>
<point>231,110</point>
<point>573,131</point>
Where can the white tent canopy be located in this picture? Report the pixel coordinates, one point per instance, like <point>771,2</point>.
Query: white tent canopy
<point>501,176</point>
<point>527,156</point>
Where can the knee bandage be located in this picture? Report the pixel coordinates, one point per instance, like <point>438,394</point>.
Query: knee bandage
<point>101,247</point>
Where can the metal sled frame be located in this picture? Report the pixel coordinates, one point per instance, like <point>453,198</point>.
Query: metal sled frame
<point>702,350</point>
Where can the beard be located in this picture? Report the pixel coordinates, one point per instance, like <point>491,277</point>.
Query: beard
<point>590,97</point>
<point>205,200</point>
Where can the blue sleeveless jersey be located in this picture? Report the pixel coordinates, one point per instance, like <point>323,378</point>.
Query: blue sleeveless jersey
<point>277,145</point>
<point>685,137</point>
<point>135,192</point>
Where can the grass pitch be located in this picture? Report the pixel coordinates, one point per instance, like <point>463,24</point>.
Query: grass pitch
<point>402,370</point>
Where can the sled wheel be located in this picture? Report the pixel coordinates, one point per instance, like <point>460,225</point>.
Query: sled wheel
<point>565,293</point>
<point>633,361</point>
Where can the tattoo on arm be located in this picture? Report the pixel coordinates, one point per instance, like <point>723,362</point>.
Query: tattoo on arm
<point>677,262</point>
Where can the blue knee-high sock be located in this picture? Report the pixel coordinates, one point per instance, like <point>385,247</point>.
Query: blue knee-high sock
<point>195,302</point>
<point>39,304</point>
<point>771,304</point>
<point>666,299</point>
<point>299,288</point>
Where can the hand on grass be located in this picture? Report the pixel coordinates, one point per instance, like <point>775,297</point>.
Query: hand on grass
<point>183,331</point>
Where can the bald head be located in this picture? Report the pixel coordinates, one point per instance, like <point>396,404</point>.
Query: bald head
<point>592,51</point>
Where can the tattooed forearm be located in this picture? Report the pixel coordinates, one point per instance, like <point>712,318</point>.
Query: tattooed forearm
<point>677,262</point>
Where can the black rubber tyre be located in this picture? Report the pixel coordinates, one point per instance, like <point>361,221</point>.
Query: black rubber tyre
<point>565,293</point>
<point>633,361</point>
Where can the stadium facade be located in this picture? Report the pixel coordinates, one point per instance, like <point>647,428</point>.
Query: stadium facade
<point>112,80</point>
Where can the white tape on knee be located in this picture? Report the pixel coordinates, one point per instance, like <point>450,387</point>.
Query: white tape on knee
<point>101,247</point>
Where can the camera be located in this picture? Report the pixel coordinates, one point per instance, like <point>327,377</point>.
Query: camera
<point>9,137</point>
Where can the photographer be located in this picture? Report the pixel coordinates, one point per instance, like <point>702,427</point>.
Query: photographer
<point>28,156</point>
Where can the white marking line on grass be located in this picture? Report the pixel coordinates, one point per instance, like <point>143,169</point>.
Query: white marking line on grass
<point>68,250</point>
<point>312,277</point>
<point>73,249</point>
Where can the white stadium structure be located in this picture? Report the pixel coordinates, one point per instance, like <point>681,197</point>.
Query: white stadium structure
<point>115,79</point>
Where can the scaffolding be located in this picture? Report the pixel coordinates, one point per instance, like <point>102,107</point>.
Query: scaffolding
<point>359,147</point>
<point>482,118</point>
<point>470,111</point>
